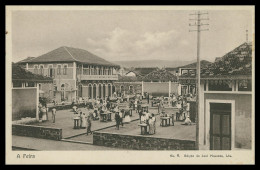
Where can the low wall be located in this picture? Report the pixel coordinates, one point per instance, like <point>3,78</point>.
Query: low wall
<point>37,131</point>
<point>66,107</point>
<point>139,142</point>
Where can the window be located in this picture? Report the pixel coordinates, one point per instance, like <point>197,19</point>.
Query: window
<point>85,71</point>
<point>220,85</point>
<point>41,70</point>
<point>184,72</point>
<point>35,71</point>
<point>65,67</point>
<point>59,70</point>
<point>40,86</point>
<point>245,85</point>
<point>51,71</point>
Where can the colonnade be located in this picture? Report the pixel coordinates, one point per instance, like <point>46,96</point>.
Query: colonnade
<point>93,90</point>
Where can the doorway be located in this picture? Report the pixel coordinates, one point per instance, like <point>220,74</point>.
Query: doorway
<point>220,126</point>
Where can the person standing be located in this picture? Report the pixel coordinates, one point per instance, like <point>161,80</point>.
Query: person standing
<point>127,118</point>
<point>121,117</point>
<point>43,110</point>
<point>148,98</point>
<point>135,104</point>
<point>117,119</point>
<point>53,111</point>
<point>151,125</point>
<point>143,119</point>
<point>89,125</point>
<point>83,120</point>
<point>154,120</point>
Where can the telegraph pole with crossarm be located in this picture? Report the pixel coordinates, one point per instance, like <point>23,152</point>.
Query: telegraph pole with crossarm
<point>198,23</point>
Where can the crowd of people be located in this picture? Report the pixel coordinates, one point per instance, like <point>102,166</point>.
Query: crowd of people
<point>93,108</point>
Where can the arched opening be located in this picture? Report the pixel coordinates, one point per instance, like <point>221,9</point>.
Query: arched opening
<point>131,89</point>
<point>99,90</point>
<point>90,91</point>
<point>104,90</point>
<point>122,90</point>
<point>109,90</point>
<point>80,91</point>
<point>62,92</point>
<point>94,91</point>
<point>113,89</point>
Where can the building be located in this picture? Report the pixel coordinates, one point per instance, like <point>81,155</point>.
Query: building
<point>22,78</point>
<point>225,117</point>
<point>76,73</point>
<point>26,90</point>
<point>186,74</point>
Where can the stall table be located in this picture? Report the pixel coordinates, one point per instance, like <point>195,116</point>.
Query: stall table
<point>143,128</point>
<point>105,117</point>
<point>76,122</point>
<point>165,121</point>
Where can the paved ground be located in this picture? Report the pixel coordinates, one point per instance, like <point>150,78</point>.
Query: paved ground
<point>178,131</point>
<point>64,120</point>
<point>21,142</point>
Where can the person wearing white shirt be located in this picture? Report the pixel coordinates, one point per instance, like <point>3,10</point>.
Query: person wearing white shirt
<point>143,118</point>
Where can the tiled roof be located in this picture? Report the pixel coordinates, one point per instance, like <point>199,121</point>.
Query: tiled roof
<point>203,63</point>
<point>159,75</point>
<point>27,59</point>
<point>20,74</point>
<point>142,71</point>
<point>70,54</point>
<point>236,63</point>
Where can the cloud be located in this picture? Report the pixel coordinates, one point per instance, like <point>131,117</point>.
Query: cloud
<point>122,44</point>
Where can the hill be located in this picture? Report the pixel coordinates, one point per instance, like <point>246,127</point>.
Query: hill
<point>152,63</point>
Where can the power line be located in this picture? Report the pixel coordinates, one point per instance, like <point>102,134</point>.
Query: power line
<point>199,25</point>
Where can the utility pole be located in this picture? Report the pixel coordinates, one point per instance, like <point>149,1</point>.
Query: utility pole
<point>198,24</point>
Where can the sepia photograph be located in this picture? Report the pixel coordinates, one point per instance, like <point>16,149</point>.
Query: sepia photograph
<point>130,84</point>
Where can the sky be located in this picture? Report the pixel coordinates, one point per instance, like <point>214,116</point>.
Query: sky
<point>128,34</point>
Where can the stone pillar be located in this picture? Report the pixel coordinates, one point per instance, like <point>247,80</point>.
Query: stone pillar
<point>179,89</point>
<point>82,69</point>
<point>170,88</point>
<point>101,91</point>
<point>106,90</point>
<point>92,91</point>
<point>111,89</point>
<point>74,71</point>
<point>142,88</point>
<point>87,92</point>
<point>37,102</point>
<point>26,66</point>
<point>97,90</point>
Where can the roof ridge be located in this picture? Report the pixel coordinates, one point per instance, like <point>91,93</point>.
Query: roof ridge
<point>69,53</point>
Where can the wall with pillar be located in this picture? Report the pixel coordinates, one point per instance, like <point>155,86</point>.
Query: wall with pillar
<point>99,92</point>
